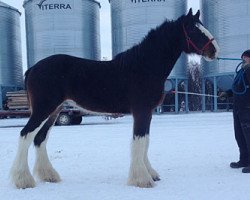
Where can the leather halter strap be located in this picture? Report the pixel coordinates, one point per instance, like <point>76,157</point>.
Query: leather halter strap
<point>190,42</point>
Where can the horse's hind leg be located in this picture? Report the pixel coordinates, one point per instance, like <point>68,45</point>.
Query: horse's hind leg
<point>141,173</point>
<point>20,173</point>
<point>43,168</point>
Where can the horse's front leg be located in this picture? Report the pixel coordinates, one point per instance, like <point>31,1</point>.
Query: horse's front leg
<point>155,176</point>
<point>141,174</point>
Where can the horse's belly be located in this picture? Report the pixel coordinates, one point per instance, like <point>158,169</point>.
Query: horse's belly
<point>103,105</point>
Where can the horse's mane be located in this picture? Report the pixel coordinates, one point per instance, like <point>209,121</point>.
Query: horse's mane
<point>158,37</point>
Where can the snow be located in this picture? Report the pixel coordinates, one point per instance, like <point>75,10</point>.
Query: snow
<point>191,152</point>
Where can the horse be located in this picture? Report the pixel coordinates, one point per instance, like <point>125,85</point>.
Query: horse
<point>131,83</point>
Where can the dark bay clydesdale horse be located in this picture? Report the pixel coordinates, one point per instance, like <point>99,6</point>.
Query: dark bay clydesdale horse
<point>133,82</point>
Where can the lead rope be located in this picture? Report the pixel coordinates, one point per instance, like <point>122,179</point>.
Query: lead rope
<point>238,80</point>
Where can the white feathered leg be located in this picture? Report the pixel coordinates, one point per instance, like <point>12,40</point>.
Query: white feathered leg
<point>155,176</point>
<point>138,174</point>
<point>43,168</point>
<point>20,173</point>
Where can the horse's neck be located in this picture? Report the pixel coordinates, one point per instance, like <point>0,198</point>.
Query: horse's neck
<point>162,48</point>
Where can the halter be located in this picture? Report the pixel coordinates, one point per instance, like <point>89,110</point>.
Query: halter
<point>190,42</point>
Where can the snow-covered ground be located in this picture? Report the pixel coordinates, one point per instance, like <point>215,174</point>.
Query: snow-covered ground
<point>191,152</point>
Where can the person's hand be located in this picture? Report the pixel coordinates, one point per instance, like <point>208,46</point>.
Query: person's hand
<point>223,96</point>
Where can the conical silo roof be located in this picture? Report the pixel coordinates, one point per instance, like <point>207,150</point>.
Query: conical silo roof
<point>5,5</point>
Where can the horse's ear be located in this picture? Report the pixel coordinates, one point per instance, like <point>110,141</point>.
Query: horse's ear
<point>190,12</point>
<point>197,15</point>
<point>189,17</point>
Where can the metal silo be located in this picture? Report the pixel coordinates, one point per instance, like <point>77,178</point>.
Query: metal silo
<point>132,20</point>
<point>62,26</point>
<point>228,21</point>
<point>11,73</point>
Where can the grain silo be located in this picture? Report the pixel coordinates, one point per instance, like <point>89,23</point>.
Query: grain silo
<point>62,26</point>
<point>11,73</point>
<point>132,20</point>
<point>228,21</point>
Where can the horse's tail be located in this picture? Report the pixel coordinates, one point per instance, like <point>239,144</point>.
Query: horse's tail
<point>26,77</point>
<point>25,84</point>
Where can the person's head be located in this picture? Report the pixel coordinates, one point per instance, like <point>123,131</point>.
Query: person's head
<point>246,56</point>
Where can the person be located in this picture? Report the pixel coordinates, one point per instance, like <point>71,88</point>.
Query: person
<point>241,111</point>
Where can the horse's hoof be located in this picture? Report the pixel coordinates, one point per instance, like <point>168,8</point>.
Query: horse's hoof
<point>47,175</point>
<point>156,178</point>
<point>142,184</point>
<point>146,185</point>
<point>32,184</point>
<point>24,181</point>
<point>52,179</point>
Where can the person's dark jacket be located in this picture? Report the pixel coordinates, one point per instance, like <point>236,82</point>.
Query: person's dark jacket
<point>240,90</point>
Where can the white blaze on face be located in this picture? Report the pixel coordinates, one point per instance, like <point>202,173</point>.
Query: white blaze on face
<point>209,35</point>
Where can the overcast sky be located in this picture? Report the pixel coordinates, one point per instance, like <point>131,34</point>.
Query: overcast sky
<point>105,25</point>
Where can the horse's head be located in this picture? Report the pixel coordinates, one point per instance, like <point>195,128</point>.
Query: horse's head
<point>197,38</point>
